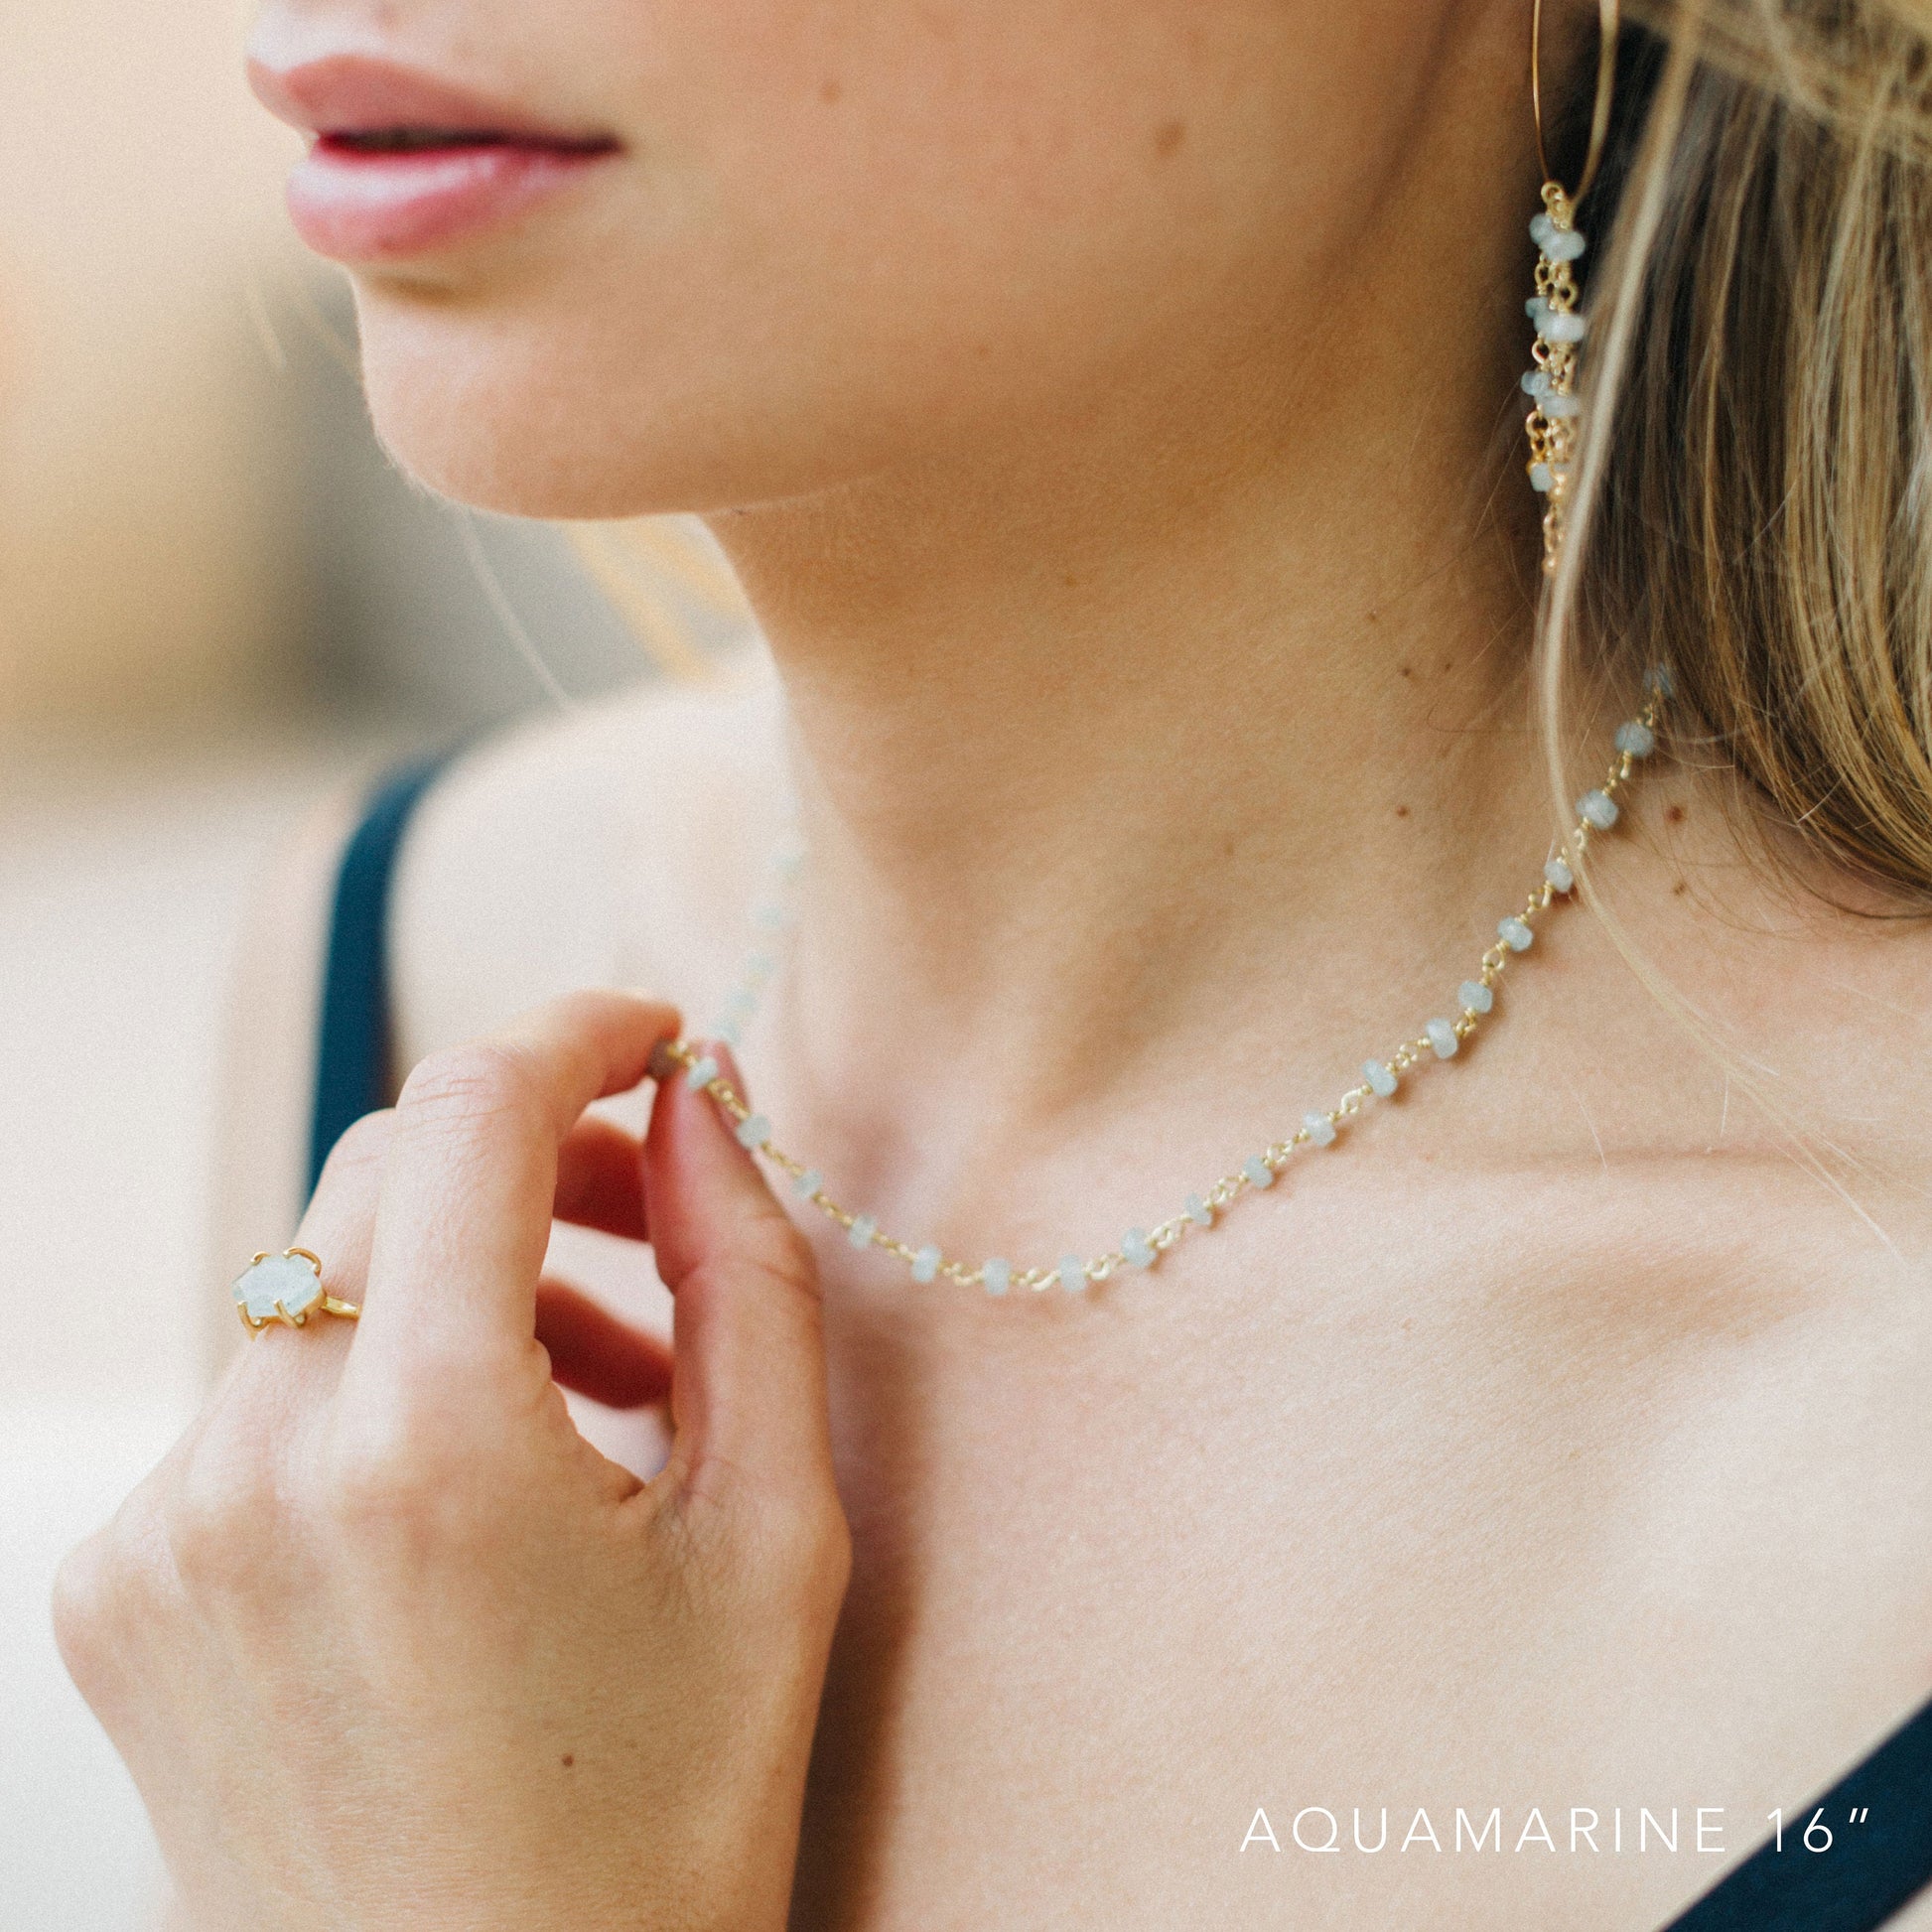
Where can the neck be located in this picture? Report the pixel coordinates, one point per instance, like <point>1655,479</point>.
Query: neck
<point>1127,733</point>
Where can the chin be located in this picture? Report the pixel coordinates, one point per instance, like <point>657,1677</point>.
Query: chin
<point>543,415</point>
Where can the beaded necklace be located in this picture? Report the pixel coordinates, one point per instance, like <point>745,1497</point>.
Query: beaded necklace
<point>1551,385</point>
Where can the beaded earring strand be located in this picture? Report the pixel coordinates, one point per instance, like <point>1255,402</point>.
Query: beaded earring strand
<point>1553,428</point>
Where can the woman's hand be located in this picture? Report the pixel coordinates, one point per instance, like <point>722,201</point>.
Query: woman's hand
<point>386,1643</point>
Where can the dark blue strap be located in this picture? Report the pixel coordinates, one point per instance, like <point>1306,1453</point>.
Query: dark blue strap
<point>1879,1815</point>
<point>353,1069</point>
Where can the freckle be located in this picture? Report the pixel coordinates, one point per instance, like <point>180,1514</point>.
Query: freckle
<point>568,1761</point>
<point>1402,811</point>
<point>1168,138</point>
<point>1402,670</point>
<point>831,92</point>
<point>1674,814</point>
<point>1680,888</point>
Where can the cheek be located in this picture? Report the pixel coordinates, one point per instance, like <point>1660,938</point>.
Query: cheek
<point>872,236</point>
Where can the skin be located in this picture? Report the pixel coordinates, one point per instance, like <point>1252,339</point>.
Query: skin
<point>1107,408</point>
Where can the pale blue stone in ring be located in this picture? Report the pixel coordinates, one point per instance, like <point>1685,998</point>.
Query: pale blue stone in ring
<point>1441,1037</point>
<point>1259,1172</point>
<point>284,1279</point>
<point>1320,1129</point>
<point>753,1131</point>
<point>860,1234</point>
<point>1636,738</point>
<point>997,1275</point>
<point>1597,808</point>
<point>1198,1212</point>
<point>1515,934</point>
<point>1475,997</point>
<point>925,1263</point>
<point>1136,1247</point>
<point>1557,872</point>
<point>1072,1273</point>
<point>808,1184</point>
<point>1380,1077</point>
<point>703,1072</point>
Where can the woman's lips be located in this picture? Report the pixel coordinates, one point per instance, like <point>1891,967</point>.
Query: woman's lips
<point>405,163</point>
<point>356,204</point>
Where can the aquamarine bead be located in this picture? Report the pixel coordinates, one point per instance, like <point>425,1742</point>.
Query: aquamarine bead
<point>1198,1212</point>
<point>808,1184</point>
<point>703,1072</point>
<point>1380,1077</point>
<point>772,917</point>
<point>1515,934</point>
<point>996,1275</point>
<point>1659,680</point>
<point>1537,383</point>
<point>925,1263</point>
<point>1441,1037</point>
<point>1597,808</point>
<point>1320,1129</point>
<point>1561,325</point>
<point>1558,244</point>
<point>1259,1172</point>
<point>759,967</point>
<point>753,1131</point>
<point>1557,872</point>
<point>726,1032</point>
<point>1137,1248</point>
<point>1543,478</point>
<point>860,1234</point>
<point>1072,1273</point>
<point>1475,997</point>
<point>1636,738</point>
<point>1561,408</point>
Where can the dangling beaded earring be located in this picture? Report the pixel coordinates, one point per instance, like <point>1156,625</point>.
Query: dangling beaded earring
<point>1550,383</point>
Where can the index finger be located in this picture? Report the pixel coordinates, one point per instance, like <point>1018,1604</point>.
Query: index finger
<point>468,1190</point>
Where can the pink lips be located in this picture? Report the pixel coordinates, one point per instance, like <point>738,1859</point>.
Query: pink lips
<point>404,164</point>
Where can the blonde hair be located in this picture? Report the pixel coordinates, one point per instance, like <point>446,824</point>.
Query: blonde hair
<point>1754,503</point>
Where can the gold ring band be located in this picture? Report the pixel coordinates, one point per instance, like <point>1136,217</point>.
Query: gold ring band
<point>285,1287</point>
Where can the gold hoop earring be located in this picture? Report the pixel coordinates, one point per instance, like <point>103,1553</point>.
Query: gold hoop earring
<point>1609,22</point>
<point>1555,421</point>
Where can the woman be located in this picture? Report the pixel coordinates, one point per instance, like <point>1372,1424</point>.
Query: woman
<point>1112,410</point>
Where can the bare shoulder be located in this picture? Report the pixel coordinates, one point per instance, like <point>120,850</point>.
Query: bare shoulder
<point>614,846</point>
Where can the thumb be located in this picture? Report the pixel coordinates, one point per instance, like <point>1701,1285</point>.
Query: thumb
<point>748,1388</point>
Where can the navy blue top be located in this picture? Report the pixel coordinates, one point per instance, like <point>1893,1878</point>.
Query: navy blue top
<point>1878,1815</point>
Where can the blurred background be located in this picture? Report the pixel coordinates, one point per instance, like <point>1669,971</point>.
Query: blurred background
<point>221,608</point>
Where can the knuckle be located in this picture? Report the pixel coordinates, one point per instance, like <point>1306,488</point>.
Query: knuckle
<point>361,1149</point>
<point>219,1521</point>
<point>466,1086</point>
<point>772,1245</point>
<point>106,1599</point>
<point>85,1610</point>
<point>802,1547</point>
<point>399,1477</point>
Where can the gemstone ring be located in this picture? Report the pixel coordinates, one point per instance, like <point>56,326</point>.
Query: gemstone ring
<point>285,1287</point>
